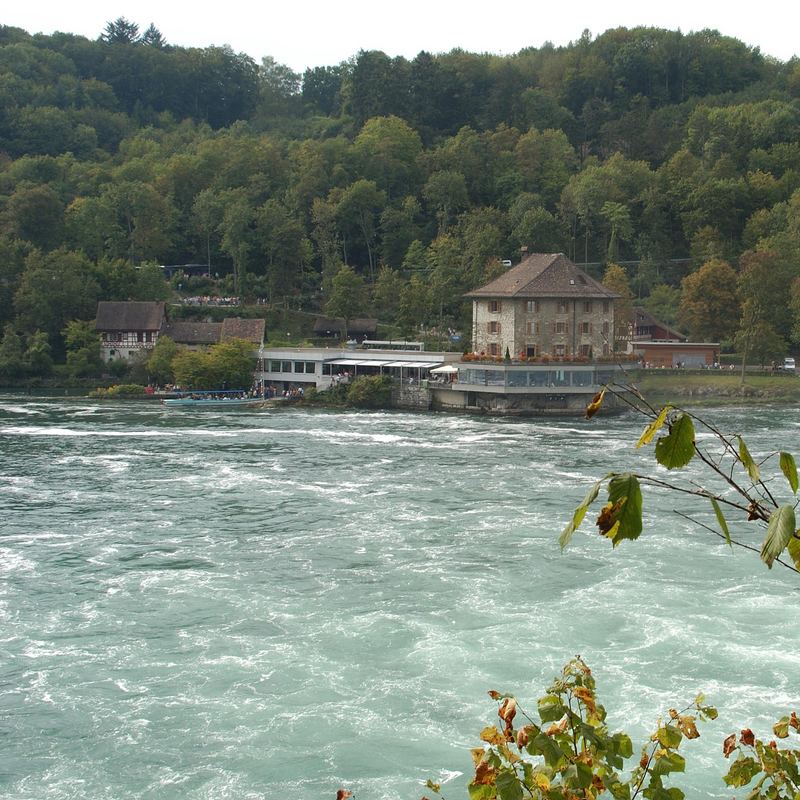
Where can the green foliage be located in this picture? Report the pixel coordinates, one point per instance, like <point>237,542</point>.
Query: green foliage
<point>228,365</point>
<point>571,752</point>
<point>159,363</point>
<point>119,390</point>
<point>83,348</point>
<point>369,391</point>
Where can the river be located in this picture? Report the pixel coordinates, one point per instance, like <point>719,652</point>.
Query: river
<point>263,604</point>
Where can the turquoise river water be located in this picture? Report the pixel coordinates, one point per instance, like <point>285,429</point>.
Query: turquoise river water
<point>274,604</point>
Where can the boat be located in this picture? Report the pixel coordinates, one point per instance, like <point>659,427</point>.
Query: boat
<point>214,399</point>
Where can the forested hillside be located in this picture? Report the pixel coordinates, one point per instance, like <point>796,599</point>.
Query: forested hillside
<point>675,155</point>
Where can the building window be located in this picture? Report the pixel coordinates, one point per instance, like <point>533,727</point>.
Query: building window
<point>494,306</point>
<point>560,350</point>
<point>286,366</point>
<point>148,336</point>
<point>311,367</point>
<point>586,350</point>
<point>561,327</point>
<point>586,327</point>
<point>494,349</point>
<point>605,329</point>
<point>605,306</point>
<point>494,327</point>
<point>532,306</point>
<point>532,328</point>
<point>140,337</point>
<point>299,366</point>
<point>530,350</point>
<point>587,306</point>
<point>563,306</point>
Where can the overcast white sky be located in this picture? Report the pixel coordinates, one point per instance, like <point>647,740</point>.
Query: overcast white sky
<point>308,33</point>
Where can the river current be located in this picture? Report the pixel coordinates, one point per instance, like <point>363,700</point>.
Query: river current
<point>274,604</point>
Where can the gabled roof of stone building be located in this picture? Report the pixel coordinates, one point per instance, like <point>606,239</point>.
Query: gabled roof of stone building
<point>251,330</point>
<point>544,275</point>
<point>193,332</point>
<point>129,315</point>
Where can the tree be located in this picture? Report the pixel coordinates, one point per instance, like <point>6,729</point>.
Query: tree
<point>11,354</point>
<point>709,302</point>
<point>358,208</point>
<point>386,294</point>
<point>120,31</point>
<point>83,348</point>
<point>663,302</point>
<point>54,289</point>
<point>37,359</point>
<point>446,192</point>
<point>159,363</point>
<point>616,279</point>
<point>348,297</point>
<point>152,37</point>
<point>619,218</point>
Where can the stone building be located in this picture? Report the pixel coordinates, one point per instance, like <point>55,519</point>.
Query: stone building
<point>545,306</point>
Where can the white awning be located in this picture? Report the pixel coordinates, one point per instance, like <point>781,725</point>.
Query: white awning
<point>344,362</point>
<point>413,364</point>
<point>447,369</point>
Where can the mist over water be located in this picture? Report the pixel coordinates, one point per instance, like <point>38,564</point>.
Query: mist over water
<point>269,604</point>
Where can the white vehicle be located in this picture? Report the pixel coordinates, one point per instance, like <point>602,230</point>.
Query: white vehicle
<point>788,364</point>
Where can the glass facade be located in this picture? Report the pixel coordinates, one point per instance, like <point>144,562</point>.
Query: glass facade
<point>539,378</point>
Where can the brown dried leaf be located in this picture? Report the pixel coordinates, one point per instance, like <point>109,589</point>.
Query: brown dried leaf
<point>586,696</point>
<point>523,737</point>
<point>494,695</point>
<point>794,722</point>
<point>729,745</point>
<point>673,713</point>
<point>485,774</point>
<point>477,754</point>
<point>507,710</point>
<point>606,520</point>
<point>343,794</point>
<point>558,727</point>
<point>687,727</point>
<point>747,737</point>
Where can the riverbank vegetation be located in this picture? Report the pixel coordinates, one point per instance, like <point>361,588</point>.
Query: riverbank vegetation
<point>674,156</point>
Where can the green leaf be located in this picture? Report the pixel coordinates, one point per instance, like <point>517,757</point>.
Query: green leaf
<point>747,460</point>
<point>742,771</point>
<point>480,791</point>
<point>780,530</point>
<point>551,708</point>
<point>721,520</point>
<point>620,791</point>
<point>793,548</point>
<point>669,736</point>
<point>781,728</point>
<point>625,490</point>
<point>549,749</point>
<point>580,513</point>
<point>671,762</point>
<point>676,449</point>
<point>789,469</point>
<point>509,786</point>
<point>653,428</point>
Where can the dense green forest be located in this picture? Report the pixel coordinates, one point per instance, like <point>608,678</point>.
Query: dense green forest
<point>675,155</point>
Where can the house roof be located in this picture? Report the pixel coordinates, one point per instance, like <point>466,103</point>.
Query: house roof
<point>362,325</point>
<point>251,330</point>
<point>193,332</point>
<point>129,315</point>
<point>642,317</point>
<point>544,275</point>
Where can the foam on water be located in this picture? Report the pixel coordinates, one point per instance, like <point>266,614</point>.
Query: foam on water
<point>276,605</point>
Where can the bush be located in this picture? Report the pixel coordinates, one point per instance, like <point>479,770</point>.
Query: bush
<point>119,390</point>
<point>372,391</point>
